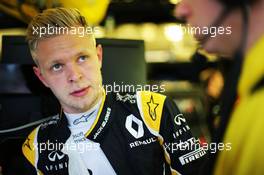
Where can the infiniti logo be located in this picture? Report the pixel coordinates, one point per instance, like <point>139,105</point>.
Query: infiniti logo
<point>179,119</point>
<point>55,155</point>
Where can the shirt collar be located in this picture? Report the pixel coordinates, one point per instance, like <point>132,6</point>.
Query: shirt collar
<point>81,119</point>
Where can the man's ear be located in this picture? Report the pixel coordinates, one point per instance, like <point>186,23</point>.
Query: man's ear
<point>99,51</point>
<point>39,75</point>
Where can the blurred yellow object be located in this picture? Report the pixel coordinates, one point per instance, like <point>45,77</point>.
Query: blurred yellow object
<point>245,130</point>
<point>29,11</point>
<point>93,10</point>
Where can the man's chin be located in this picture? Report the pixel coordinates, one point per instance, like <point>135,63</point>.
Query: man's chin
<point>77,109</point>
<point>76,106</point>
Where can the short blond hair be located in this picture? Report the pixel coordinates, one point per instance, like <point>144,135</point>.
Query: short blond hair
<point>55,17</point>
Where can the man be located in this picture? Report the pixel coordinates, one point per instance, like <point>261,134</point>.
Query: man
<point>98,133</point>
<point>243,95</point>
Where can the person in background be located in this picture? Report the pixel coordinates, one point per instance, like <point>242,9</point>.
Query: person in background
<point>240,38</point>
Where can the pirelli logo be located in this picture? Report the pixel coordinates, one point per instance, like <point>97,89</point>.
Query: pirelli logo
<point>191,156</point>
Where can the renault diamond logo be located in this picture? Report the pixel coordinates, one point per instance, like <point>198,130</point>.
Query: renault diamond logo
<point>137,131</point>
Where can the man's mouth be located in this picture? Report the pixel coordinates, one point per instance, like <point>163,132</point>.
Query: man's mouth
<point>80,92</point>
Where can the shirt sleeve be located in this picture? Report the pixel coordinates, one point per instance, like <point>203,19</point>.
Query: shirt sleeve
<point>183,152</point>
<point>30,151</point>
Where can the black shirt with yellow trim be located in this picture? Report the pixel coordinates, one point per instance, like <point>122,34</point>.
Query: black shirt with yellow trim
<point>142,133</point>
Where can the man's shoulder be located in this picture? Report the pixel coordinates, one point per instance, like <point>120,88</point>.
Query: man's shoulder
<point>39,136</point>
<point>150,106</point>
<point>41,128</point>
<point>30,146</point>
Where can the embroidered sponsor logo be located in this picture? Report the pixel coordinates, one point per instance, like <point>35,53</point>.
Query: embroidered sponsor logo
<point>181,131</point>
<point>79,137</point>
<point>142,142</point>
<point>179,119</point>
<point>126,97</point>
<point>191,156</point>
<point>152,108</point>
<point>55,155</point>
<point>106,118</point>
<point>53,120</point>
<point>134,126</point>
<point>59,160</point>
<point>56,167</point>
<point>82,119</point>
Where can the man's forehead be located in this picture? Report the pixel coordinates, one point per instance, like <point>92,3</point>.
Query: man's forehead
<point>65,41</point>
<point>60,47</point>
<point>68,38</point>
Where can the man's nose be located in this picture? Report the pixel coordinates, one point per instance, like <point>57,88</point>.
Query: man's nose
<point>74,73</point>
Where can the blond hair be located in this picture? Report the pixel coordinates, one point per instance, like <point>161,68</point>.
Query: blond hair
<point>55,17</point>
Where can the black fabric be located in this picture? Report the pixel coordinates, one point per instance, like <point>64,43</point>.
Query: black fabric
<point>127,154</point>
<point>51,136</point>
<point>169,125</point>
<point>13,162</point>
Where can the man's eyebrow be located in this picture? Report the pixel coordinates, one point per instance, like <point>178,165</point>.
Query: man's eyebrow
<point>82,52</point>
<point>55,61</point>
<point>59,60</point>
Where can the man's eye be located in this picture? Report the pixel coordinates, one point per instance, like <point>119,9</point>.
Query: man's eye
<point>82,58</point>
<point>56,67</point>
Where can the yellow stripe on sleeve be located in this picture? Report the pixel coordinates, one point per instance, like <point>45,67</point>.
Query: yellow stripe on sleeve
<point>28,147</point>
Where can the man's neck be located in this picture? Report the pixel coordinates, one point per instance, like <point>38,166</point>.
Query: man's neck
<point>84,119</point>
